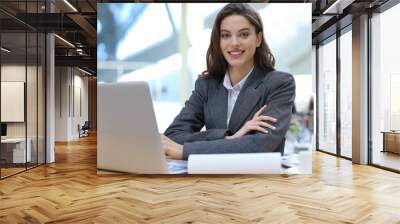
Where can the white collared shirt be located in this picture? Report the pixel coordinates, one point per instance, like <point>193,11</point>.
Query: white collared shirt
<point>233,93</point>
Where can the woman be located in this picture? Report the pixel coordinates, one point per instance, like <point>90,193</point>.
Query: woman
<point>242,101</point>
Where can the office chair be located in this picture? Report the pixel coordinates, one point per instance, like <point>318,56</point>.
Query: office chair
<point>84,130</point>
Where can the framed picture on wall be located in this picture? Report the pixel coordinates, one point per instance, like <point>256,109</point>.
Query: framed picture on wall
<point>12,101</point>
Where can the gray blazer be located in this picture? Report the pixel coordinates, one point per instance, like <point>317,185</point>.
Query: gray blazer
<point>207,106</point>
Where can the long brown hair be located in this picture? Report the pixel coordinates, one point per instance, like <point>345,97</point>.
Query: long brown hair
<point>216,63</point>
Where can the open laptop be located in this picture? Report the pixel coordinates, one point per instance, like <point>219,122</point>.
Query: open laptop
<point>127,136</point>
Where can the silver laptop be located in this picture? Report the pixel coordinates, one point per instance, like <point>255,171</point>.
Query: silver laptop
<point>127,137</point>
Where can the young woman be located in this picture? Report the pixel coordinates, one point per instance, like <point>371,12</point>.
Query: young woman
<point>242,101</point>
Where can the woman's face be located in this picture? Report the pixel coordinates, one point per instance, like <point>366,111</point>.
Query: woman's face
<point>239,41</point>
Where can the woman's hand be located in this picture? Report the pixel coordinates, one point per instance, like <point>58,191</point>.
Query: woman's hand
<point>171,148</point>
<point>257,123</point>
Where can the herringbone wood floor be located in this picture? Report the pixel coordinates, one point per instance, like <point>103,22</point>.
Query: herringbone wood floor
<point>70,191</point>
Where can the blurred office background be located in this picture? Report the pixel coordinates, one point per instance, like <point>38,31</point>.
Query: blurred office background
<point>166,44</point>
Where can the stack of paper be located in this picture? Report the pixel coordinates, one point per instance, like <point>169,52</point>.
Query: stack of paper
<point>238,163</point>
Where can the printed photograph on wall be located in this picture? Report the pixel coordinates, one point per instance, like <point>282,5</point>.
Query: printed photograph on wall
<point>205,88</point>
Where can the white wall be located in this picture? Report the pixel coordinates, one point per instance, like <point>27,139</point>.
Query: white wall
<point>62,81</point>
<point>80,100</point>
<point>70,84</point>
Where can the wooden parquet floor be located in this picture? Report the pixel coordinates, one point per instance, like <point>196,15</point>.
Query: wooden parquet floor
<point>70,191</point>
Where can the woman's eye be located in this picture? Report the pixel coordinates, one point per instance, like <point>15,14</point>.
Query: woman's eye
<point>244,35</point>
<point>225,35</point>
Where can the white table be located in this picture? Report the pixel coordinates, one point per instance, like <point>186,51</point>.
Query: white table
<point>18,149</point>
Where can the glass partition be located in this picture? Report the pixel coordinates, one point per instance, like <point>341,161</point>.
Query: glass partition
<point>13,109</point>
<point>41,107</point>
<point>31,100</point>
<point>346,94</point>
<point>327,96</point>
<point>22,77</point>
<point>385,85</point>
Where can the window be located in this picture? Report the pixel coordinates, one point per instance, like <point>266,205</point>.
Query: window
<point>346,94</point>
<point>385,85</point>
<point>327,96</point>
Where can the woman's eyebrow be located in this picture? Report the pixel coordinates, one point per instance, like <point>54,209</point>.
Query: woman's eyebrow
<point>243,29</point>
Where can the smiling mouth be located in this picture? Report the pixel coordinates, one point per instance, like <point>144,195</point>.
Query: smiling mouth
<point>236,53</point>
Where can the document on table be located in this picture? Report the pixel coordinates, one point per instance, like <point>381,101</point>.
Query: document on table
<point>177,166</point>
<point>237,163</point>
